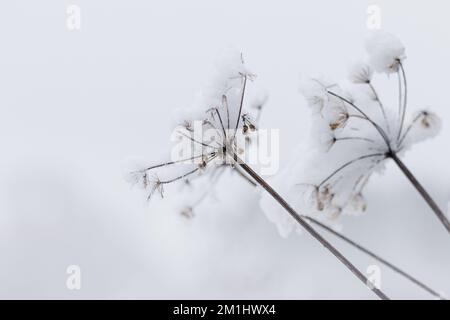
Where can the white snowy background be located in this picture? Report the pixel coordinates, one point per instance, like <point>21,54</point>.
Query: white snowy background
<point>75,104</point>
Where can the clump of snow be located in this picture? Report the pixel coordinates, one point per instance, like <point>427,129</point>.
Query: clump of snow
<point>385,51</point>
<point>132,172</point>
<point>423,125</point>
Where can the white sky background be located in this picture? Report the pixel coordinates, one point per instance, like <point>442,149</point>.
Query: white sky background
<point>74,105</point>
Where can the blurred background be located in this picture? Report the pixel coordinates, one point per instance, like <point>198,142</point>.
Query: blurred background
<point>75,104</point>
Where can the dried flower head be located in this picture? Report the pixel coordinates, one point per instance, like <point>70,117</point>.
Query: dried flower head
<point>386,52</point>
<point>361,73</point>
<point>352,134</point>
<point>207,134</point>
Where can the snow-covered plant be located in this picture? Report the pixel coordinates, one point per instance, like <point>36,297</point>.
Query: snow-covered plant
<point>213,137</point>
<point>353,134</point>
<point>218,124</point>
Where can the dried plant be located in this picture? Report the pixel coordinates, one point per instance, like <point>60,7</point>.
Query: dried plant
<point>354,133</point>
<point>222,110</point>
<point>218,124</point>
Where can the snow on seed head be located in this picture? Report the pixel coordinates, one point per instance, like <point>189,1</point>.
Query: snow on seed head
<point>206,133</point>
<point>422,125</point>
<point>385,51</point>
<point>354,129</point>
<point>360,73</point>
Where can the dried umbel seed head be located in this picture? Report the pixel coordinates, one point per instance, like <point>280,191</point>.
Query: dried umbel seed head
<point>327,141</point>
<point>358,203</point>
<point>137,178</point>
<point>310,193</point>
<point>361,73</point>
<point>335,125</point>
<point>426,121</point>
<point>334,213</point>
<point>339,121</point>
<point>316,198</point>
<point>326,195</point>
<point>385,51</point>
<point>315,93</point>
<point>248,126</point>
<point>203,164</point>
<point>320,205</point>
<point>353,131</point>
<point>210,134</point>
<point>156,186</point>
<point>429,121</point>
<point>187,212</point>
<point>423,125</point>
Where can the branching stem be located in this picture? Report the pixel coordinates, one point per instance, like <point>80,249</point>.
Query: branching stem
<point>368,156</point>
<point>241,104</point>
<point>377,127</point>
<point>405,100</point>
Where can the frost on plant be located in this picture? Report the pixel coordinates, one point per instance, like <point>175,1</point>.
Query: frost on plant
<point>353,132</point>
<point>219,123</point>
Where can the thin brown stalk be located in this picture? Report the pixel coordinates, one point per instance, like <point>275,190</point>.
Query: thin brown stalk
<point>426,196</point>
<point>373,123</point>
<point>364,250</point>
<point>308,227</point>
<point>405,100</point>
<point>380,104</point>
<point>241,104</point>
<point>375,256</point>
<point>368,156</point>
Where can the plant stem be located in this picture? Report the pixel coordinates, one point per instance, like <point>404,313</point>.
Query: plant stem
<point>361,248</point>
<point>422,191</point>
<point>307,227</point>
<point>375,256</point>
